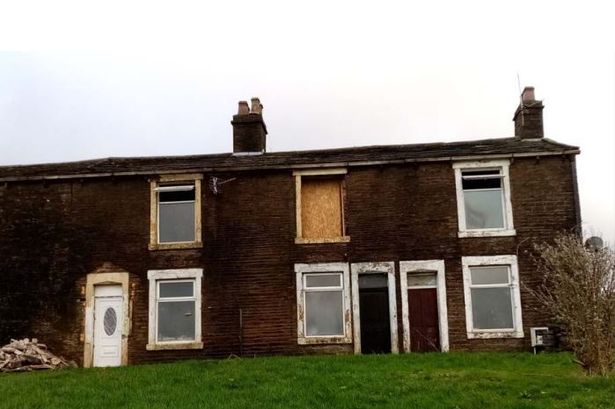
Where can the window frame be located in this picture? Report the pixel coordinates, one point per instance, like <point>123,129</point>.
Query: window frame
<point>298,175</point>
<point>490,261</point>
<point>501,165</point>
<point>155,277</point>
<point>160,299</point>
<point>338,289</point>
<point>168,181</point>
<point>303,270</point>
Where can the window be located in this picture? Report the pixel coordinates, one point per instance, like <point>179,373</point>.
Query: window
<point>323,303</point>
<point>175,309</point>
<point>483,199</point>
<point>320,206</point>
<point>493,301</point>
<point>422,279</point>
<point>176,212</point>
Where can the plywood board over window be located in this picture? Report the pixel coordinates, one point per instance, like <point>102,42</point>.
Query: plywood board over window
<point>320,206</point>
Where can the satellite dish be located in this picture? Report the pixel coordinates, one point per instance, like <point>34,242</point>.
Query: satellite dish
<point>594,243</point>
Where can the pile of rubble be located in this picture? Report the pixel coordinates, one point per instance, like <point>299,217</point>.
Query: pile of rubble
<point>28,355</point>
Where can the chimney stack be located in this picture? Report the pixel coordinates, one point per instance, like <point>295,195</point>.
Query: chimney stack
<point>249,129</point>
<point>528,116</point>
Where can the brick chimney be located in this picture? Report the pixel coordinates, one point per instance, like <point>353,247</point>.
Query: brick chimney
<point>249,129</point>
<point>528,116</point>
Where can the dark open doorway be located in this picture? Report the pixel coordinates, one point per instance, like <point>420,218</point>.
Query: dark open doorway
<point>374,307</point>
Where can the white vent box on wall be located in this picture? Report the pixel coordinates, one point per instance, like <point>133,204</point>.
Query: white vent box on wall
<point>539,337</point>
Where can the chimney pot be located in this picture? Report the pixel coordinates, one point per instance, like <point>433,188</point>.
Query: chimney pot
<point>528,94</point>
<point>257,107</point>
<point>243,108</point>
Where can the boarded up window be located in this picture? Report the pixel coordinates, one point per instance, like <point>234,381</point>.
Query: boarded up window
<point>321,208</point>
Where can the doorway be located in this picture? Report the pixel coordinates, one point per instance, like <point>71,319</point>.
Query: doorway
<point>108,318</point>
<point>423,303</point>
<point>374,307</point>
<point>423,312</point>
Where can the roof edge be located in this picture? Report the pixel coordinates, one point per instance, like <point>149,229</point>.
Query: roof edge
<point>570,150</point>
<point>324,150</point>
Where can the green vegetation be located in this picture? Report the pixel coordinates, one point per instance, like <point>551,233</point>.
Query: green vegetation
<point>455,380</point>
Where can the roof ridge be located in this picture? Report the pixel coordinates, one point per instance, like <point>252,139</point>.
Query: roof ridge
<point>392,146</point>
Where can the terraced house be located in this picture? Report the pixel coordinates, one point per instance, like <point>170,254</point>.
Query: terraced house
<point>400,249</point>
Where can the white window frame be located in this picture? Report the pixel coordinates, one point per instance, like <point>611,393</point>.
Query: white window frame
<point>502,165</point>
<point>168,183</point>
<point>301,270</point>
<point>179,275</point>
<point>489,261</point>
<point>406,267</point>
<point>160,204</point>
<point>387,268</point>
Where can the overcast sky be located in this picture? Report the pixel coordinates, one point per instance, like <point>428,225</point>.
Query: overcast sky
<point>83,79</point>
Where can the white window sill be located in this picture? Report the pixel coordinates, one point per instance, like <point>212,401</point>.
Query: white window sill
<point>487,233</point>
<point>174,345</point>
<point>324,340</point>
<point>495,334</point>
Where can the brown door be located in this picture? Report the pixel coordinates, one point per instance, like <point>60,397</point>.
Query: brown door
<point>374,309</point>
<point>423,315</point>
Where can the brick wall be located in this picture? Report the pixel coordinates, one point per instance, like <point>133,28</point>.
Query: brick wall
<point>52,235</point>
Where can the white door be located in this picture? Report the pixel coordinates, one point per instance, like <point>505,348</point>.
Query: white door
<point>108,319</point>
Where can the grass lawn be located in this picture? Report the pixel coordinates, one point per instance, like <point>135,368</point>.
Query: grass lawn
<point>455,380</point>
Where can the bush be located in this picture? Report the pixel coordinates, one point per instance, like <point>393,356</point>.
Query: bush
<point>579,291</point>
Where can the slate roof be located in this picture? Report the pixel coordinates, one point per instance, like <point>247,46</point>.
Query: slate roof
<point>365,155</point>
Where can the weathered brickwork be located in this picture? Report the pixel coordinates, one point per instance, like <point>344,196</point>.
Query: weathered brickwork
<point>53,234</point>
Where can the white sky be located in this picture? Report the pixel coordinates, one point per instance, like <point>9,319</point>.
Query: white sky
<point>84,79</point>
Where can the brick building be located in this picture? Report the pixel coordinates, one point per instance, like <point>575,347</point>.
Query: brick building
<point>373,249</point>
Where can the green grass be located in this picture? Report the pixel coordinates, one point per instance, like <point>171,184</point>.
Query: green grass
<point>455,380</point>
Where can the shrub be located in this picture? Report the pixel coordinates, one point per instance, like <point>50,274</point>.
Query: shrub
<point>579,291</point>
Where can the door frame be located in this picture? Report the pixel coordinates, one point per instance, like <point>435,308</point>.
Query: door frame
<point>100,279</point>
<point>424,265</point>
<point>387,268</point>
